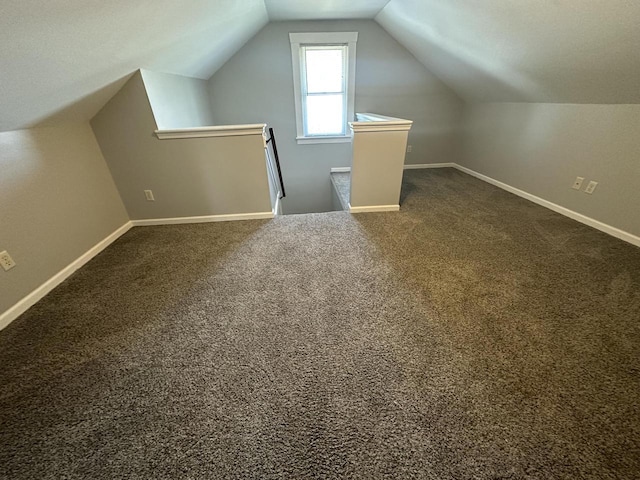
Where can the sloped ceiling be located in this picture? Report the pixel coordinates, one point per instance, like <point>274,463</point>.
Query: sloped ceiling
<point>323,10</point>
<point>556,51</point>
<point>63,59</point>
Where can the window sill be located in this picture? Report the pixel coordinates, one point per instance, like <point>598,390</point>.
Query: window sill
<point>336,139</point>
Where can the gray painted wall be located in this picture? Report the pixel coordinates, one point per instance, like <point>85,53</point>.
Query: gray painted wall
<point>189,177</point>
<point>57,201</point>
<point>542,148</point>
<point>256,85</point>
<point>177,101</point>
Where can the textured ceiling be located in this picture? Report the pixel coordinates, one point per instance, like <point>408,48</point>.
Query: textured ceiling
<point>323,10</point>
<point>557,51</point>
<point>62,60</point>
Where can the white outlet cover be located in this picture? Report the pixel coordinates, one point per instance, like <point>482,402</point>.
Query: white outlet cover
<point>6,261</point>
<point>578,183</point>
<point>591,187</point>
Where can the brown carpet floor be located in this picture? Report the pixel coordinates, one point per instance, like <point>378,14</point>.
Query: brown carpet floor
<point>471,335</point>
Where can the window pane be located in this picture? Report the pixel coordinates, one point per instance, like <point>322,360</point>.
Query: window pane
<point>325,115</point>
<point>324,70</point>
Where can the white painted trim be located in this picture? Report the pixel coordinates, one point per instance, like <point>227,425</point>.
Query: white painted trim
<point>350,39</point>
<point>603,227</point>
<point>367,127</point>
<point>416,166</point>
<point>203,219</point>
<point>217,131</point>
<point>340,169</point>
<point>31,299</point>
<point>374,208</point>
<point>376,117</point>
<point>340,139</point>
<point>372,122</point>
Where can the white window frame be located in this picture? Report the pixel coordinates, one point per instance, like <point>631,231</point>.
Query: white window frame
<point>346,39</point>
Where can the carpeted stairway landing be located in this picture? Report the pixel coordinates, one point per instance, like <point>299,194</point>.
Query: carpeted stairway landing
<point>471,335</point>
<point>341,183</point>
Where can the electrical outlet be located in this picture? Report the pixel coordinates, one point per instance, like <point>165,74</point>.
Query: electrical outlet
<point>6,261</point>
<point>578,183</point>
<point>591,187</point>
<point>409,148</point>
<point>149,195</point>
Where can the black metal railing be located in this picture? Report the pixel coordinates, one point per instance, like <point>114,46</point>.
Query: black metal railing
<point>272,141</point>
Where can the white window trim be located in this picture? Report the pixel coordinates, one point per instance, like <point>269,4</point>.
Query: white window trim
<point>323,38</point>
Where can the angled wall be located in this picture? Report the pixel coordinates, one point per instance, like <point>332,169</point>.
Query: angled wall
<point>62,61</point>
<point>178,101</point>
<point>545,51</point>
<point>256,85</point>
<point>191,177</point>
<point>577,69</point>
<point>57,201</point>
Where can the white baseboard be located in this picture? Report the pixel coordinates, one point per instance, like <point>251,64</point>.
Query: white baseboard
<point>415,166</point>
<point>203,219</point>
<point>374,208</point>
<point>603,227</point>
<point>23,305</point>
<point>31,299</point>
<point>340,169</point>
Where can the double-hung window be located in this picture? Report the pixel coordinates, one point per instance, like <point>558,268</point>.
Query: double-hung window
<point>324,84</point>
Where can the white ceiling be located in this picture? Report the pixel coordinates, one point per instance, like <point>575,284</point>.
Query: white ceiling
<point>63,59</point>
<point>323,10</point>
<point>558,51</point>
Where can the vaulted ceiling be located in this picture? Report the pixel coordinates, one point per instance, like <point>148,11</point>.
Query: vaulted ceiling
<point>63,60</point>
<point>323,10</point>
<point>555,51</point>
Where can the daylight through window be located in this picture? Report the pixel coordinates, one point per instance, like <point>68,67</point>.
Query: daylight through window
<point>324,81</point>
<point>324,90</point>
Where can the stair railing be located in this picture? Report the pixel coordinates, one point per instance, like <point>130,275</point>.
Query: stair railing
<point>272,141</point>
